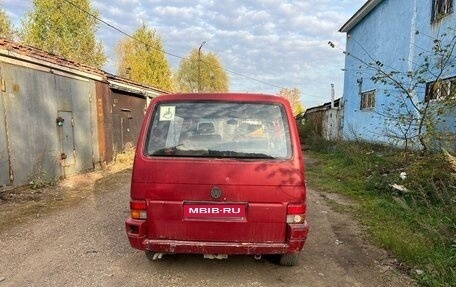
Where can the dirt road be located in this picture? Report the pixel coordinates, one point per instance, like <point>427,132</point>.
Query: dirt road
<point>84,244</point>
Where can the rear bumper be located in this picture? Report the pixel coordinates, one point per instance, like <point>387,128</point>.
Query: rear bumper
<point>199,247</point>
<point>137,235</point>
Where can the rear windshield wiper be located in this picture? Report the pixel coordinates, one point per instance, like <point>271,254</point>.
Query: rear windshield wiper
<point>238,155</point>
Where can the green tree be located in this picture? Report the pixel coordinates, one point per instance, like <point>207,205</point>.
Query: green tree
<point>293,96</point>
<point>65,29</point>
<point>201,72</point>
<point>6,29</point>
<point>142,59</point>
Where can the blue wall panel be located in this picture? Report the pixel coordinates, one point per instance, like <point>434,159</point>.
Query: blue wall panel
<point>388,34</point>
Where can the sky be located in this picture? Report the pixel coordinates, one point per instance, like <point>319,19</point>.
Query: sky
<point>263,45</point>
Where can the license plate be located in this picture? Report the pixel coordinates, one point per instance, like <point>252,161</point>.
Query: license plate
<point>214,210</point>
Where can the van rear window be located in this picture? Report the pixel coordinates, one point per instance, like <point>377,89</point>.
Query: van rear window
<point>218,129</point>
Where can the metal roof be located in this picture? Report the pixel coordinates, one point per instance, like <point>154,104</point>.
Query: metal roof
<point>34,55</point>
<point>13,52</point>
<point>123,84</point>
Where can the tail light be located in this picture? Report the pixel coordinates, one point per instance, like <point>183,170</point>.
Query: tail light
<point>296,213</point>
<point>138,209</point>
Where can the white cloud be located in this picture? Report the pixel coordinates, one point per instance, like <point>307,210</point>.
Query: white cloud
<point>281,43</point>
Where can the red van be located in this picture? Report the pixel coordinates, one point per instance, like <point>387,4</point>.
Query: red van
<point>218,174</point>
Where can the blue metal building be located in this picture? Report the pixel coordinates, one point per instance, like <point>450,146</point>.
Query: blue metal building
<point>396,36</point>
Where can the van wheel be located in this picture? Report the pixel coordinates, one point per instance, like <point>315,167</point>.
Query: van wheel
<point>289,259</point>
<point>153,256</point>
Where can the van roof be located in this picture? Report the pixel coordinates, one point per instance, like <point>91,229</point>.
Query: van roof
<point>222,97</point>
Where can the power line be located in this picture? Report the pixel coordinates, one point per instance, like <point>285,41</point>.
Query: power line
<point>120,31</point>
<point>251,78</point>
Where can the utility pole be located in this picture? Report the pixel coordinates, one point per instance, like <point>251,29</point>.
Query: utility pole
<point>199,65</point>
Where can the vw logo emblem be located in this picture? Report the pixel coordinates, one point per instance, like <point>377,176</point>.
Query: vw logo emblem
<point>216,192</point>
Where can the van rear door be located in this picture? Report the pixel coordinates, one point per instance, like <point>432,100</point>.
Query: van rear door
<point>219,171</point>
<point>220,200</point>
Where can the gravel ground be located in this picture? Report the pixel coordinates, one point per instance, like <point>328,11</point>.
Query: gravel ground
<point>84,244</point>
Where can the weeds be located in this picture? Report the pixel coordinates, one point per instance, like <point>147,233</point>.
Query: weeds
<point>407,202</point>
<point>41,180</point>
<point>451,160</point>
<point>125,158</point>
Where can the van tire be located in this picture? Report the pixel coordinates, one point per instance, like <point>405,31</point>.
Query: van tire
<point>289,259</point>
<point>150,255</point>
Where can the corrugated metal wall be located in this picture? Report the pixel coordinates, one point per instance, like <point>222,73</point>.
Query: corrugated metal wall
<point>32,100</point>
<point>127,115</point>
<point>104,122</point>
<point>5,164</point>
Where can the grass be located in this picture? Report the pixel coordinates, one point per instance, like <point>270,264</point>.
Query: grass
<point>417,223</point>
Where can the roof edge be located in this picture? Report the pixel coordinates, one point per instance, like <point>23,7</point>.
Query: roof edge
<point>119,82</point>
<point>28,54</point>
<point>359,15</point>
